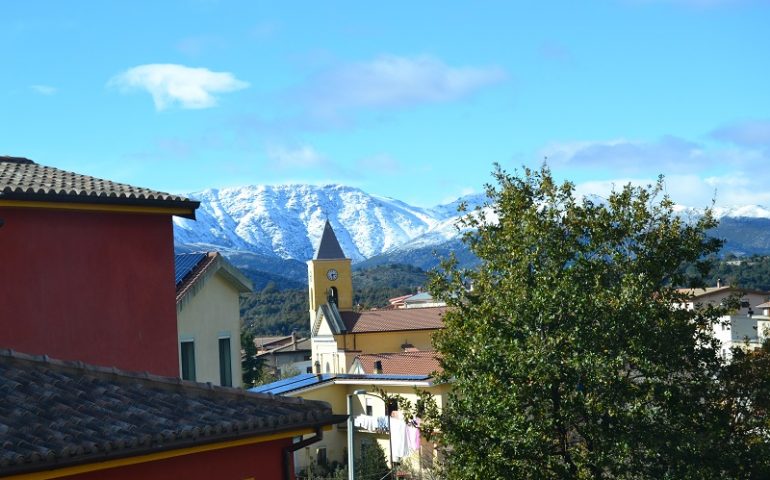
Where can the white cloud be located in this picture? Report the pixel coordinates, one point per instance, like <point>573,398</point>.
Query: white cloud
<point>301,157</point>
<point>695,173</point>
<point>669,154</point>
<point>43,89</point>
<point>393,81</point>
<point>169,84</point>
<point>752,133</point>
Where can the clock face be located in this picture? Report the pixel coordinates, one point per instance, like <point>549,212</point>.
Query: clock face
<point>331,274</point>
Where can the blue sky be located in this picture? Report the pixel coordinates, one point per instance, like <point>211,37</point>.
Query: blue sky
<point>409,99</point>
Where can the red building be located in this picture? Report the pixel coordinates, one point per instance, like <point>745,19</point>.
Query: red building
<point>88,268</point>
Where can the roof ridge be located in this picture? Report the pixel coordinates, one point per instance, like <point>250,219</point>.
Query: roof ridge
<point>19,160</point>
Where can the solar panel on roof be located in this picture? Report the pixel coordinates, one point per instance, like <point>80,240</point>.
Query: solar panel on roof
<point>281,383</point>
<point>308,379</point>
<point>184,263</point>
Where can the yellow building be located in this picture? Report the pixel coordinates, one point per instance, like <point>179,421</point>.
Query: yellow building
<point>371,351</point>
<point>208,288</point>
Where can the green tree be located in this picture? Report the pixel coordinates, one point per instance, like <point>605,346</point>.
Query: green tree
<point>566,356</point>
<point>251,365</point>
<point>372,463</point>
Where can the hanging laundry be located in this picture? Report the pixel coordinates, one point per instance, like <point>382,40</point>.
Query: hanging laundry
<point>398,438</point>
<point>366,422</point>
<point>413,437</point>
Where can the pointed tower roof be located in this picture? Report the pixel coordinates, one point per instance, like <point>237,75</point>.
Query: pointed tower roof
<point>329,248</point>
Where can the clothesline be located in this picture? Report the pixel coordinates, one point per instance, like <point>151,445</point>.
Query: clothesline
<point>404,437</point>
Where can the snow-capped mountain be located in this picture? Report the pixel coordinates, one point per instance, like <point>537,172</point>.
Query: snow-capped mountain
<point>286,221</point>
<point>274,228</point>
<point>734,211</point>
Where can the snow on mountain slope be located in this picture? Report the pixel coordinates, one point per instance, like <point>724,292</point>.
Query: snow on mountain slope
<point>287,220</point>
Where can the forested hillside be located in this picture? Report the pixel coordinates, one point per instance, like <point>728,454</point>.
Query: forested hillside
<point>271,311</point>
<point>748,272</point>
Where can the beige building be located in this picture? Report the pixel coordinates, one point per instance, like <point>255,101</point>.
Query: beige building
<point>208,288</point>
<point>381,350</point>
<point>742,327</point>
<point>283,355</point>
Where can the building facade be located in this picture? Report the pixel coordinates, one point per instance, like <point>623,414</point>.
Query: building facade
<point>89,266</point>
<point>208,290</point>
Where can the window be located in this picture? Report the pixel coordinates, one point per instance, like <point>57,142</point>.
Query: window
<point>187,349</point>
<point>321,456</point>
<point>333,295</point>
<point>225,367</point>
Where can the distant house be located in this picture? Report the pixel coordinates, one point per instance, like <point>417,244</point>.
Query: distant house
<point>741,328</point>
<point>70,420</point>
<point>208,289</point>
<point>88,266</point>
<point>283,355</point>
<point>416,300</point>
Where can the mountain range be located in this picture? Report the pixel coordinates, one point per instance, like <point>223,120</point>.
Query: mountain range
<point>270,231</point>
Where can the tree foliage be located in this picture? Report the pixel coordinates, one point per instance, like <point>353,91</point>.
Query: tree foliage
<point>252,367</point>
<point>567,357</point>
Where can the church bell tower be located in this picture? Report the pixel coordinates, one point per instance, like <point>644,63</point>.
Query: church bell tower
<point>329,275</point>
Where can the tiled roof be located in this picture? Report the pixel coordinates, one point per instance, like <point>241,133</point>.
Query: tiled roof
<point>23,179</point>
<point>698,292</point>
<point>329,248</point>
<point>192,269</point>
<point>408,363</point>
<point>301,344</point>
<point>394,320</point>
<point>56,414</point>
<point>289,343</point>
<point>270,342</point>
<point>702,292</point>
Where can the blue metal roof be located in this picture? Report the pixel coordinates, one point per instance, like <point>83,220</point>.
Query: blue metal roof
<point>184,263</point>
<point>309,379</point>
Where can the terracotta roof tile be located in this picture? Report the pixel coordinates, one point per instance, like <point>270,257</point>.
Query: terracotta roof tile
<point>23,179</point>
<point>57,414</point>
<point>408,363</point>
<point>394,320</point>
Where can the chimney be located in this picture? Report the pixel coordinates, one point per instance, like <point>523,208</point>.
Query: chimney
<point>294,340</point>
<point>378,367</point>
<point>719,282</point>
